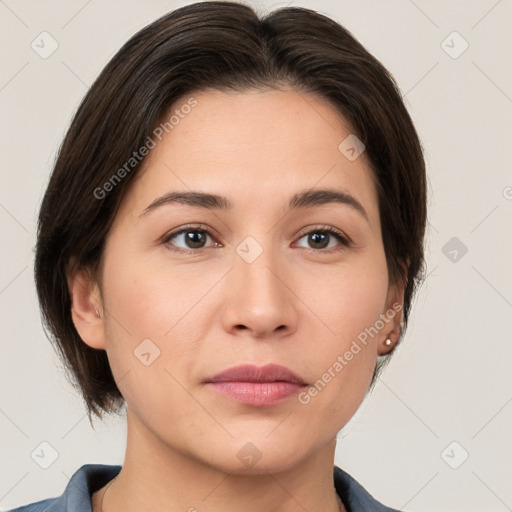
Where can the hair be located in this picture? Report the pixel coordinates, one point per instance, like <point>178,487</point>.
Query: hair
<point>224,46</point>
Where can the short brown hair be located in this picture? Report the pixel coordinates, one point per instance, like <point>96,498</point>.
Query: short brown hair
<point>223,46</point>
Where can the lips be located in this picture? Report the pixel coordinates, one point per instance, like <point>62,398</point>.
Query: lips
<point>257,386</point>
<point>261,374</point>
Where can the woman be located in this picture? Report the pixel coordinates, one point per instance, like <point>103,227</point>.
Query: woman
<point>229,245</point>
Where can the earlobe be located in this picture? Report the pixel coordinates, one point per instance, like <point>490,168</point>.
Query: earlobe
<point>391,334</point>
<point>394,314</point>
<point>86,309</point>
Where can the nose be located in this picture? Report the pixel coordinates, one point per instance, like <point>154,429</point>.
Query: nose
<point>259,297</point>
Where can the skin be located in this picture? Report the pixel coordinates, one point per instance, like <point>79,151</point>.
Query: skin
<point>210,309</point>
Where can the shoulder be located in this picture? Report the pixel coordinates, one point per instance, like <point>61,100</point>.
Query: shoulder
<point>77,494</point>
<point>355,497</point>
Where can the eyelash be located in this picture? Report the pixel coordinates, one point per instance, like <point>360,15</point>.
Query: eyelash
<point>345,241</point>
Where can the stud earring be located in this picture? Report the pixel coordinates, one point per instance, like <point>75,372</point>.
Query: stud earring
<point>97,312</point>
<point>388,342</point>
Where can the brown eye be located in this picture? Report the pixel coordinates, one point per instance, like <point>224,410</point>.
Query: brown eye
<point>320,238</point>
<point>189,238</point>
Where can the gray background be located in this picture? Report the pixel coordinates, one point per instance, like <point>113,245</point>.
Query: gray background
<point>449,382</point>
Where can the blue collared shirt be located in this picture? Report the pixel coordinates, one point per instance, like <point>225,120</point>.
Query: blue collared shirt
<point>91,477</point>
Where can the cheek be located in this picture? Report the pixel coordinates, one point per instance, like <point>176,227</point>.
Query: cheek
<point>347,299</point>
<point>149,341</point>
<point>343,358</point>
<point>152,300</point>
<point>155,322</point>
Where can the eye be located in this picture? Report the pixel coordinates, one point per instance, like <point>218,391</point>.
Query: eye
<point>320,238</point>
<point>193,237</point>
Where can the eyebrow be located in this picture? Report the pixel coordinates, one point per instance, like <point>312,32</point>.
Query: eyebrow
<point>305,199</point>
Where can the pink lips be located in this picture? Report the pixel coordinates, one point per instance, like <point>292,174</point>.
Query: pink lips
<point>257,385</point>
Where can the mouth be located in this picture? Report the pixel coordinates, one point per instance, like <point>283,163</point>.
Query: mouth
<point>257,386</point>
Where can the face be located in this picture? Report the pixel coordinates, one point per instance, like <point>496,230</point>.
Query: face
<point>261,282</point>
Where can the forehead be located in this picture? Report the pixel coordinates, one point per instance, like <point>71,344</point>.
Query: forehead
<point>257,148</point>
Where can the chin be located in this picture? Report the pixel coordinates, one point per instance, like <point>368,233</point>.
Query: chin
<point>261,455</point>
<point>265,465</point>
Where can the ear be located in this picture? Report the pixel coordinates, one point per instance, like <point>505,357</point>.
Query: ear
<point>392,316</point>
<point>87,308</point>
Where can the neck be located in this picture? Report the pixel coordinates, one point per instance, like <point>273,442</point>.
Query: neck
<point>156,476</point>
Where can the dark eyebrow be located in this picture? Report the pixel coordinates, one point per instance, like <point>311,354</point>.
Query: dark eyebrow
<point>306,199</point>
<point>319,197</point>
<point>199,199</point>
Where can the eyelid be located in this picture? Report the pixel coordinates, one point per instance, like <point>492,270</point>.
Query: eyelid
<point>329,229</point>
<point>189,227</point>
